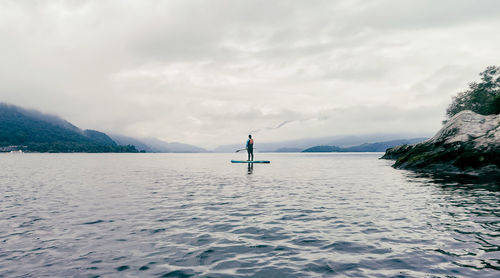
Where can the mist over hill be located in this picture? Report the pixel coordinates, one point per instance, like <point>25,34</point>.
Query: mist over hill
<point>34,131</point>
<point>157,146</point>
<point>174,147</point>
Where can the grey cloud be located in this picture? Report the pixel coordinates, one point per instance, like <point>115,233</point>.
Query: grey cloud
<point>207,71</point>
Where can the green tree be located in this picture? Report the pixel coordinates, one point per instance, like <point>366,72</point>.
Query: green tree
<point>482,97</point>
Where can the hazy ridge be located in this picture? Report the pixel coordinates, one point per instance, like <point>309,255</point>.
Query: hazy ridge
<point>30,130</point>
<point>366,147</point>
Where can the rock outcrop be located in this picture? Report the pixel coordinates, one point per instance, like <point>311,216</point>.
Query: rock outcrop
<point>468,144</point>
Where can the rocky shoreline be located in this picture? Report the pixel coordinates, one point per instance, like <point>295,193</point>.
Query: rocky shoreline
<point>468,144</point>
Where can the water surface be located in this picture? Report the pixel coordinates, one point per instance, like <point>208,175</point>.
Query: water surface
<point>182,215</point>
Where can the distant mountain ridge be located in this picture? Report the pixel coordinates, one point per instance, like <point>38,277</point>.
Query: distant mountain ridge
<point>366,147</point>
<point>157,146</point>
<point>323,149</point>
<point>38,132</point>
<point>288,150</point>
<point>174,147</point>
<point>126,140</point>
<point>342,141</point>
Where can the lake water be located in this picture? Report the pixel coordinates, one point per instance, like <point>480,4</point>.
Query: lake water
<point>182,215</point>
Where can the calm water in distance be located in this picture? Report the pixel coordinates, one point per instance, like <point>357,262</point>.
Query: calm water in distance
<point>182,215</point>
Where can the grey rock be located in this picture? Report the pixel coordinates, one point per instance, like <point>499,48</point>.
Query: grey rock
<point>468,144</point>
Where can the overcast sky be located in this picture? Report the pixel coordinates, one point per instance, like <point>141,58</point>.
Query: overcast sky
<point>209,72</point>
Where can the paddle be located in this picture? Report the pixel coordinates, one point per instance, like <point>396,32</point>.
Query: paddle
<point>237,151</point>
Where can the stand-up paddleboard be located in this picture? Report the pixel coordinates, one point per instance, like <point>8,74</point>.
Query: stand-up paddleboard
<point>253,161</point>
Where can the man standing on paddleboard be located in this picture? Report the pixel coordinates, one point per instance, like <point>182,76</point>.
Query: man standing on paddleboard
<point>249,147</point>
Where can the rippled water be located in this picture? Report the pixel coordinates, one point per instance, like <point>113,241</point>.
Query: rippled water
<point>181,215</point>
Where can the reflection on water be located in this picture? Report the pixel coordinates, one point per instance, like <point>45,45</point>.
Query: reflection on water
<point>456,181</point>
<point>250,168</point>
<point>303,215</point>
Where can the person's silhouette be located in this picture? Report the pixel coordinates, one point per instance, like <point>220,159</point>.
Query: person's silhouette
<point>249,148</point>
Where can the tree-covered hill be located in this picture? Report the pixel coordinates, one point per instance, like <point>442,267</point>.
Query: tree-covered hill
<point>38,132</point>
<point>367,147</point>
<point>323,149</point>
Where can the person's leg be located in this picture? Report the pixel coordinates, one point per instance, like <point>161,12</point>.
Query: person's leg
<point>251,152</point>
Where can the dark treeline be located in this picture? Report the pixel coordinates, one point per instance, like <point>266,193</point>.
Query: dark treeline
<point>20,127</point>
<point>482,97</point>
<point>71,147</point>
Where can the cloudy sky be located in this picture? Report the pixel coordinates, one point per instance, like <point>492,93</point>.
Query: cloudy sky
<point>209,72</point>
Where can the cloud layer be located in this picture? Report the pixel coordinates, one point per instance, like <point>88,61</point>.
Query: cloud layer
<point>209,72</point>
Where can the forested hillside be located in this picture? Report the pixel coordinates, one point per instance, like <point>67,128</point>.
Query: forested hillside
<point>36,132</point>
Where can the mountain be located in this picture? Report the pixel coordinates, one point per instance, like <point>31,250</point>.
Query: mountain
<point>288,150</point>
<point>323,149</point>
<point>367,147</point>
<point>125,140</point>
<point>38,132</point>
<point>99,137</point>
<point>153,145</point>
<point>164,147</point>
<point>382,146</point>
<point>340,141</point>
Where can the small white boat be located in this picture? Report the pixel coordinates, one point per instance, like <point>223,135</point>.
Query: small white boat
<point>18,151</point>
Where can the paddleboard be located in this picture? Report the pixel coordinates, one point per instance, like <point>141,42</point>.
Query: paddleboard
<point>254,161</point>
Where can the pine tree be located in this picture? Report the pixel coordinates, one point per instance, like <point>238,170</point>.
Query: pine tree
<point>482,97</point>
